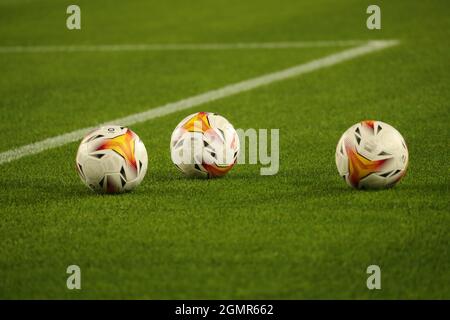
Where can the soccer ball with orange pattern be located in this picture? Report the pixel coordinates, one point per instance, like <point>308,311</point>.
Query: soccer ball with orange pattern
<point>111,159</point>
<point>205,145</point>
<point>371,155</point>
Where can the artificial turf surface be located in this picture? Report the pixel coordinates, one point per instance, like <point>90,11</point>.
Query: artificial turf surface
<point>299,234</point>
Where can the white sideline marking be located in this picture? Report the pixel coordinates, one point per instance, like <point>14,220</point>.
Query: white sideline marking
<point>179,46</point>
<point>209,96</point>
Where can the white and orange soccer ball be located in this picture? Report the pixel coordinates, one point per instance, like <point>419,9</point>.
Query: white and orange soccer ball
<point>204,145</point>
<point>111,159</point>
<point>371,155</point>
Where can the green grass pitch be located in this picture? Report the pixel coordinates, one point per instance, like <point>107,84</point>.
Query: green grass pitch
<point>301,234</point>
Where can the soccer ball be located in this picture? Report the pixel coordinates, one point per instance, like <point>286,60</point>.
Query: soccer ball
<point>371,155</point>
<point>111,159</point>
<point>204,145</point>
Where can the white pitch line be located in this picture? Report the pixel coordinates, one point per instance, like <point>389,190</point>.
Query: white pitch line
<point>200,99</point>
<point>179,46</point>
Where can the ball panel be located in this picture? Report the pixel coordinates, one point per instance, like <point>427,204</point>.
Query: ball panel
<point>114,183</point>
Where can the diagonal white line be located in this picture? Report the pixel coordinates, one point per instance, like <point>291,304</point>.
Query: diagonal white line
<point>179,46</point>
<point>197,100</point>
